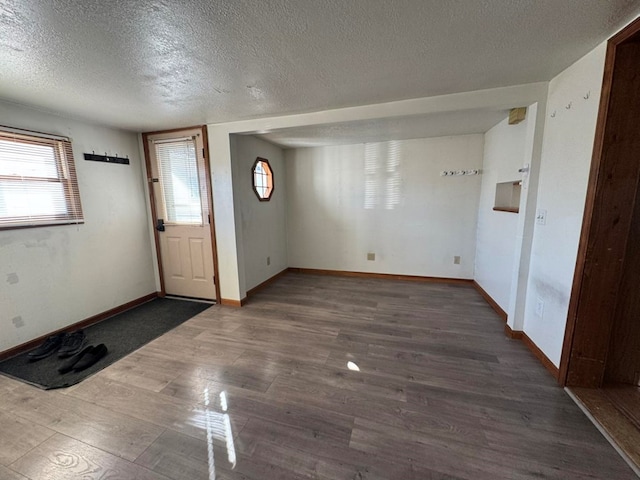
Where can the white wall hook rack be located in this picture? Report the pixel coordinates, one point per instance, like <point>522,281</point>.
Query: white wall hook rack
<point>459,173</point>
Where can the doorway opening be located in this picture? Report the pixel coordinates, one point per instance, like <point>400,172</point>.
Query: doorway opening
<point>179,179</point>
<point>601,353</point>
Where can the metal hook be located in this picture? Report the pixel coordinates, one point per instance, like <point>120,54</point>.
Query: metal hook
<point>568,107</point>
<point>553,115</point>
<point>586,97</point>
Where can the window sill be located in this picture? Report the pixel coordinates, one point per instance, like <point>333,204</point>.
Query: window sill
<point>39,225</point>
<point>506,209</point>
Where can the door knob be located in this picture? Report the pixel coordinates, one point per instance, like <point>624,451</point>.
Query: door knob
<point>160,225</point>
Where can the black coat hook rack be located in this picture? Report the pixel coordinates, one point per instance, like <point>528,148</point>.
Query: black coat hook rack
<point>106,158</point>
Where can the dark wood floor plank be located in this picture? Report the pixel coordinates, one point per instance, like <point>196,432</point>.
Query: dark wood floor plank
<point>145,370</point>
<point>557,417</point>
<point>459,428</point>
<point>356,381</point>
<point>470,462</point>
<point>7,384</point>
<point>63,458</point>
<point>334,426</point>
<point>304,441</point>
<point>114,432</point>
<point>194,351</point>
<point>19,436</point>
<point>183,416</point>
<point>317,377</point>
<point>214,342</point>
<point>7,474</point>
<point>190,387</point>
<point>181,457</point>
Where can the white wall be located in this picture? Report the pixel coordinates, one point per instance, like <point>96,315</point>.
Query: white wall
<point>504,154</point>
<point>262,225</point>
<point>230,259</point>
<point>69,273</point>
<point>385,198</point>
<point>564,172</point>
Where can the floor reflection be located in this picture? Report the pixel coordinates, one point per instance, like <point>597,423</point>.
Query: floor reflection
<point>218,426</point>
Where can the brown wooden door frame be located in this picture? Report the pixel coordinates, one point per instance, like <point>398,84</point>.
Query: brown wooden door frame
<point>605,228</point>
<point>154,213</point>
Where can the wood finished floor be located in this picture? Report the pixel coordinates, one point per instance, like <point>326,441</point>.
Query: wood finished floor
<point>441,394</point>
<point>616,409</point>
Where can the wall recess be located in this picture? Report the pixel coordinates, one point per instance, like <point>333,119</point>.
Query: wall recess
<point>508,196</point>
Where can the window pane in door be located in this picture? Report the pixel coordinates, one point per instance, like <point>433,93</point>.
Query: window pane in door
<point>178,171</point>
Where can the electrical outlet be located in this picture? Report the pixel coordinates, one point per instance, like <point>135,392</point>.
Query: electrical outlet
<point>541,217</point>
<point>268,260</point>
<point>539,307</point>
<point>456,260</point>
<point>371,256</point>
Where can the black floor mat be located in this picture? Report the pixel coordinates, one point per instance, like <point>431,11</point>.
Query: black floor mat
<point>122,334</point>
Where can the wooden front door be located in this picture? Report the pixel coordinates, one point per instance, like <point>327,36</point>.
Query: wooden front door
<point>182,212</point>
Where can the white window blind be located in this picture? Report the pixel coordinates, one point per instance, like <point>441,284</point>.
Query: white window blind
<point>179,180</point>
<point>38,184</point>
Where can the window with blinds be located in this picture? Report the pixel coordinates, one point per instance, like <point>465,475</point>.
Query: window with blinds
<point>38,184</point>
<point>179,181</point>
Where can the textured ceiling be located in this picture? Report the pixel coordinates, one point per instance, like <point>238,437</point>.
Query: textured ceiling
<point>153,64</point>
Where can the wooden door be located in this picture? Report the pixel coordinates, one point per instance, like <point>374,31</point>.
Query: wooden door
<point>182,213</point>
<point>604,306</point>
<point>623,358</point>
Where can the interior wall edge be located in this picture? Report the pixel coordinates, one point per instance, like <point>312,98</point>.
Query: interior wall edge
<point>145,186</point>
<point>492,303</point>
<point>387,276</point>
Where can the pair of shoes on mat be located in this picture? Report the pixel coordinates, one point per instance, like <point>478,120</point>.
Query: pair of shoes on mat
<point>50,346</point>
<point>87,357</point>
<point>72,344</point>
<point>66,344</point>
